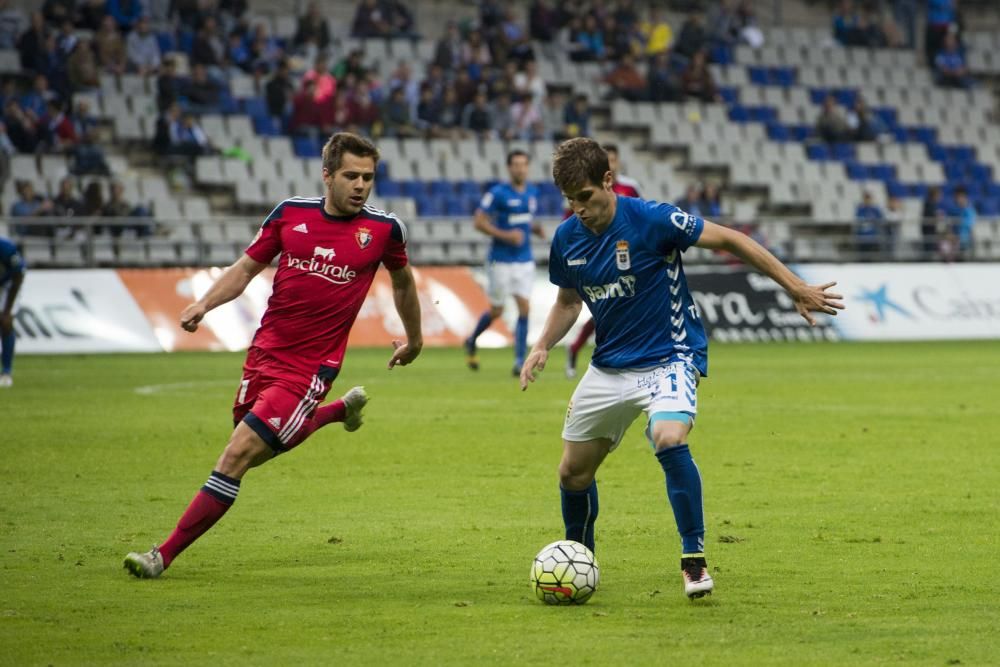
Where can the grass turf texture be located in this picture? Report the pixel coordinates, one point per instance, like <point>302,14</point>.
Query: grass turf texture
<point>849,494</point>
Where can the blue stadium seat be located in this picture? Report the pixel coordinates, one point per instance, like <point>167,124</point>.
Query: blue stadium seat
<point>266,126</point>
<point>381,170</point>
<point>783,76</point>
<point>469,188</point>
<point>730,94</point>
<point>228,104</point>
<point>306,146</point>
<point>255,106</point>
<point>778,132</point>
<point>882,172</point>
<point>739,114</point>
<point>801,132</point>
<point>441,188</point>
<point>896,189</point>
<point>925,135</point>
<point>455,205</point>
<point>758,75</point>
<point>166,41</point>
<point>414,189</point>
<point>387,187</point>
<point>855,171</point>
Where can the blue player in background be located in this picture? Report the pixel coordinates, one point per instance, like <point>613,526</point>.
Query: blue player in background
<point>507,214</point>
<point>622,256</point>
<point>11,278</point>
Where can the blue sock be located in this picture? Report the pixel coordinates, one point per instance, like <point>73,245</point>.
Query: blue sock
<point>520,340</point>
<point>684,492</point>
<point>579,510</point>
<point>482,325</point>
<point>7,355</point>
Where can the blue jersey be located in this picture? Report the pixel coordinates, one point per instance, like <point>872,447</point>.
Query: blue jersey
<point>511,209</point>
<point>631,278</point>
<point>11,262</point>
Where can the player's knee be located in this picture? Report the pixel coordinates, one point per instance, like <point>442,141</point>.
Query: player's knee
<point>669,434</point>
<point>239,456</point>
<point>574,476</point>
<point>496,311</point>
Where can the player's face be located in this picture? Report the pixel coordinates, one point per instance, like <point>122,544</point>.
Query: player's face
<point>347,189</point>
<point>518,169</point>
<point>593,204</point>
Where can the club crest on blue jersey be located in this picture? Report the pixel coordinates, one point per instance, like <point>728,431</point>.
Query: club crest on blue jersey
<point>363,236</point>
<point>622,258</point>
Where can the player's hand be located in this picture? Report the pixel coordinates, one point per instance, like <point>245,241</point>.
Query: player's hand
<point>535,360</point>
<point>815,299</point>
<point>6,323</point>
<point>191,315</point>
<point>404,353</point>
<point>515,237</point>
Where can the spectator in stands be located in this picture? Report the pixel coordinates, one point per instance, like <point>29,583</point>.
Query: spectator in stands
<point>448,52</point>
<point>529,83</point>
<point>12,21</point>
<point>965,223</point>
<point>626,80</point>
<point>110,47</point>
<point>7,149</point>
<point>400,19</point>
<point>208,48</point>
<point>370,21</point>
<point>894,212</point>
<point>60,134</point>
<point>365,112</point>
<point>692,201</point>
<point>22,130</point>
<point>697,81</point>
<point>54,67</point>
<point>237,58</point>
<point>831,126</point>
<point>711,201</point>
<point>66,203</point>
<point>590,39</point>
<point>503,117</point>
<point>724,24</point>
<point>477,117</point>
<point>57,11</point>
<point>143,49</point>
<point>845,24</point>
<point>576,117</point>
<point>552,112</point>
<point>325,83</point>
<point>870,234</point>
<point>397,116</point>
<point>31,205</point>
<point>402,78</point>
<point>514,39</point>
<point>116,206</point>
<point>435,80</point>
<point>88,155</point>
<point>949,65</point>
<point>168,85</point>
<point>618,42</point>
<point>543,21</point>
<point>203,95</point>
<point>932,219</point>
<point>278,93</point>
<point>31,44</point>
<point>476,56</point>
<point>657,32</point>
<point>342,112</point>
<point>465,87</point>
<point>942,18</point>
<point>264,49</point>
<point>693,36</point>
<point>93,199</point>
<point>450,117</point>
<point>126,13</point>
<point>664,85</point>
<point>350,65</point>
<point>429,113</point>
<point>67,38</point>
<point>81,67</point>
<point>89,14</point>
<point>526,117</point>
<point>862,121</point>
<point>307,116</point>
<point>191,138</point>
<point>35,100</point>
<point>312,29</point>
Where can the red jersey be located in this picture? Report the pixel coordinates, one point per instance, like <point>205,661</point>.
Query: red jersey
<point>326,265</point>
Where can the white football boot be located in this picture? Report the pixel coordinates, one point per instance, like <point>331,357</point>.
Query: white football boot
<point>145,566</point>
<point>354,401</point>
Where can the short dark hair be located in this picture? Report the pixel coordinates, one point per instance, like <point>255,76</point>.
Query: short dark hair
<point>961,190</point>
<point>346,142</point>
<point>610,148</point>
<point>579,162</point>
<point>517,152</point>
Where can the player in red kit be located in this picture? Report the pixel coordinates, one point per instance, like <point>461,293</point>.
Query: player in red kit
<point>626,187</point>
<point>328,251</point>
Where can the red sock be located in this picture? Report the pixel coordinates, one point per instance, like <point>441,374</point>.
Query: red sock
<point>582,338</point>
<point>328,414</point>
<point>212,501</point>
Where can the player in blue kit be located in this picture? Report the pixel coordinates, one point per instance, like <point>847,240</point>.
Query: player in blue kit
<point>622,257</point>
<point>507,214</point>
<point>11,278</point>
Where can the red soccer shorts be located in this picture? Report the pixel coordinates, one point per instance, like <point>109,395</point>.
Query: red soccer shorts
<point>277,404</point>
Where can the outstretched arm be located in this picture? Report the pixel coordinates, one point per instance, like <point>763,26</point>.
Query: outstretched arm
<point>561,318</point>
<point>404,293</point>
<point>229,286</point>
<point>807,298</point>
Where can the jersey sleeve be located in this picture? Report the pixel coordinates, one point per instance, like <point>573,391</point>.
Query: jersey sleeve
<point>671,227</point>
<point>557,266</point>
<point>394,257</point>
<point>267,244</point>
<point>488,204</point>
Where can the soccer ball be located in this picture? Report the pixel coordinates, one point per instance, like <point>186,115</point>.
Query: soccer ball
<point>564,572</point>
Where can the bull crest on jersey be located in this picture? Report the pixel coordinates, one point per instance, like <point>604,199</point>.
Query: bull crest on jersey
<point>363,236</point>
<point>622,258</point>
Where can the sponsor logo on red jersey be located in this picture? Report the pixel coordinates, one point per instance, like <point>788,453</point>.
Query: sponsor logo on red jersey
<point>317,265</point>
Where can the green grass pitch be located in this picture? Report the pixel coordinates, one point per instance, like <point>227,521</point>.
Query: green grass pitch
<point>850,490</point>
